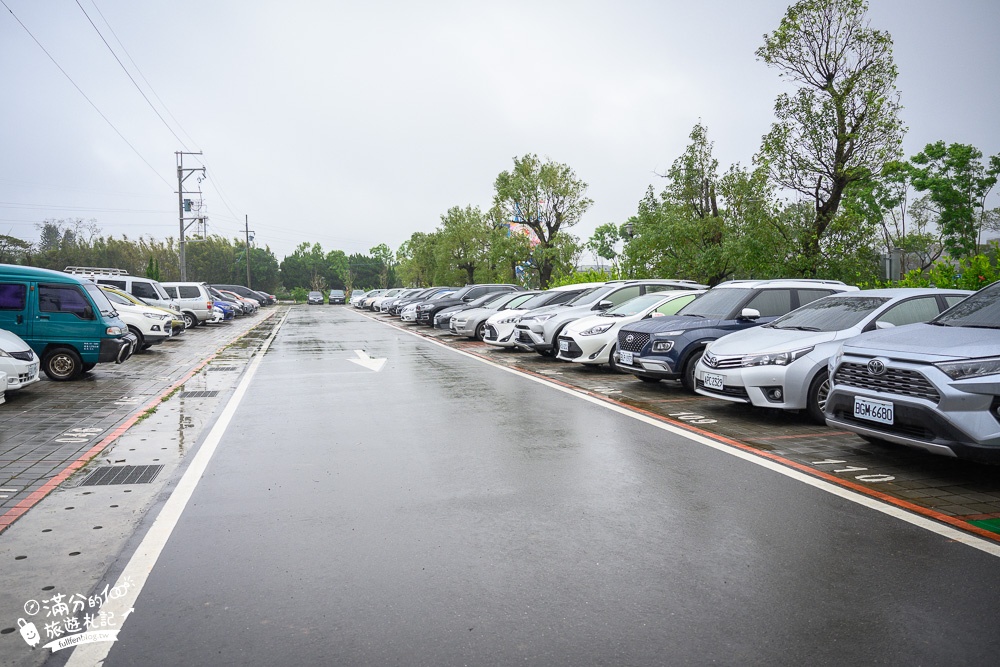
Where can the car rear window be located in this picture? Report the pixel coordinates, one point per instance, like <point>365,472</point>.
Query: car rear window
<point>189,292</point>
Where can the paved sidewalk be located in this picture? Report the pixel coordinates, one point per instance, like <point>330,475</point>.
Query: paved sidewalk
<point>49,425</point>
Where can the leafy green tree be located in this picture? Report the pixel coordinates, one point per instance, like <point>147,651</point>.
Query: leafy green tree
<point>417,259</point>
<point>464,238</point>
<point>546,197</point>
<point>306,267</point>
<point>337,270</point>
<point>13,250</point>
<point>604,244</point>
<point>958,183</point>
<point>509,252</point>
<point>385,259</point>
<point>365,271</point>
<point>842,124</point>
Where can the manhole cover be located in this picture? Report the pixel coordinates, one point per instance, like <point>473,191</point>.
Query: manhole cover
<point>107,475</point>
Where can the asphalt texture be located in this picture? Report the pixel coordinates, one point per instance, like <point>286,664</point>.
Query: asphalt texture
<point>442,511</point>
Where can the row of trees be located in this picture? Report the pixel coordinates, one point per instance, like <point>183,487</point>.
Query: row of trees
<point>828,194</point>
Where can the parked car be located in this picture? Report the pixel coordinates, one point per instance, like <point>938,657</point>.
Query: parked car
<point>539,329</point>
<point>315,299</point>
<point>375,304</point>
<point>17,361</point>
<point>357,295</point>
<point>150,291</point>
<point>668,348</point>
<point>246,306</point>
<point>467,294</point>
<point>367,298</point>
<point>388,305</point>
<point>591,340</point>
<point>193,299</point>
<point>421,295</point>
<point>337,296</point>
<point>222,311</point>
<point>411,313</point>
<point>442,318</point>
<point>67,322</point>
<point>150,326</point>
<point>247,293</point>
<point>499,328</point>
<point>933,386</point>
<point>783,364</point>
<point>471,323</point>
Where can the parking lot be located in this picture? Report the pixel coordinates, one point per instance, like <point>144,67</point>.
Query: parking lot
<point>961,494</point>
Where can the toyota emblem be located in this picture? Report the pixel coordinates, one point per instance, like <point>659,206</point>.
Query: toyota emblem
<point>876,367</point>
<point>629,338</point>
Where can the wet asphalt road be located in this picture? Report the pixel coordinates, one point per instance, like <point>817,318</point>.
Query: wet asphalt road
<point>445,512</point>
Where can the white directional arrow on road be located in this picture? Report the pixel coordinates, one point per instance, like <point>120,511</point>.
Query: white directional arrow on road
<point>366,361</point>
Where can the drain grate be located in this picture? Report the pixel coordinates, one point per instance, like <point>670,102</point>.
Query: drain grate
<point>108,475</point>
<point>199,394</point>
<point>222,368</point>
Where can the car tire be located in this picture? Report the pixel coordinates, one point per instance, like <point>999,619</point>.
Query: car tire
<point>687,379</point>
<point>611,360</point>
<point>190,321</point>
<point>819,390</point>
<point>141,340</point>
<point>480,331</point>
<point>62,364</point>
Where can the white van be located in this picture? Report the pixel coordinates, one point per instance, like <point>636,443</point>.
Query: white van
<point>141,287</point>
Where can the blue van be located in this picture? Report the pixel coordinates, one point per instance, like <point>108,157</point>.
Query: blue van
<point>68,322</point>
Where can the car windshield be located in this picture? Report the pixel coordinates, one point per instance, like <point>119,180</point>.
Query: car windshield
<point>716,304</point>
<point>536,301</point>
<point>442,295</point>
<point>981,310</point>
<point>634,306</point>
<point>517,300</point>
<point>591,295</point>
<point>833,313</point>
<point>100,300</point>
<point>162,293</point>
<point>485,299</point>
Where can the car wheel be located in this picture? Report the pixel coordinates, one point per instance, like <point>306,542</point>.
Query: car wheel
<point>480,331</point>
<point>688,378</point>
<point>819,390</point>
<point>141,343</point>
<point>61,364</point>
<point>611,360</point>
<point>190,321</point>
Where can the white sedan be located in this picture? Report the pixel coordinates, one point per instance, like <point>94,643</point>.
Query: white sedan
<point>592,340</point>
<point>18,362</point>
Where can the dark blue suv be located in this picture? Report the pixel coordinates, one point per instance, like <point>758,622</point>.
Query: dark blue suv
<point>668,348</point>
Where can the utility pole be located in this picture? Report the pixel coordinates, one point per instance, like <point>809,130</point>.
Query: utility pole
<point>184,205</point>
<point>249,239</point>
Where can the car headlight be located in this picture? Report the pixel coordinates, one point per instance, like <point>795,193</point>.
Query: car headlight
<point>3,353</point>
<point>775,359</point>
<point>970,368</point>
<point>510,320</point>
<point>537,318</point>
<point>597,329</point>
<point>156,316</point>
<point>663,345</point>
<point>115,331</point>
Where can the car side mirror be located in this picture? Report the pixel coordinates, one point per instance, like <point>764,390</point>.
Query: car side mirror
<point>655,314</point>
<point>884,325</point>
<point>749,314</point>
<point>602,305</point>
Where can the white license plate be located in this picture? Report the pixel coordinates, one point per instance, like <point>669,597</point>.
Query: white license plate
<point>625,357</point>
<point>875,411</point>
<point>564,346</point>
<point>714,381</point>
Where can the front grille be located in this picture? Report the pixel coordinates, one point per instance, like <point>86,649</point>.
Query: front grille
<point>24,377</point>
<point>27,355</point>
<point>735,392</point>
<point>897,381</point>
<point>572,352</point>
<point>632,341</point>
<point>713,361</point>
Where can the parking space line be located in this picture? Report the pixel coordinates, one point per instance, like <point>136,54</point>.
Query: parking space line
<point>956,529</point>
<point>33,498</point>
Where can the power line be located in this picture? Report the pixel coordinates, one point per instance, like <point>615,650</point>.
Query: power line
<point>80,90</point>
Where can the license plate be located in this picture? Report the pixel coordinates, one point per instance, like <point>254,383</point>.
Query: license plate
<point>564,346</point>
<point>625,357</point>
<point>875,411</point>
<point>714,381</point>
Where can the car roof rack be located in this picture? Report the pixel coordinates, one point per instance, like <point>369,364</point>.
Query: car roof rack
<point>96,270</point>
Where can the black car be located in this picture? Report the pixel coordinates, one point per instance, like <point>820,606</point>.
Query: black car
<point>428,309</point>
<point>315,299</point>
<point>442,319</point>
<point>337,296</point>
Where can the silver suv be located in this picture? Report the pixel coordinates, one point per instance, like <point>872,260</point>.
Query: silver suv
<point>933,386</point>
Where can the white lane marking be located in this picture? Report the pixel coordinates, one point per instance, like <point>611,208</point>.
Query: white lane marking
<point>366,361</point>
<point>141,564</point>
<point>5,492</point>
<point>918,520</point>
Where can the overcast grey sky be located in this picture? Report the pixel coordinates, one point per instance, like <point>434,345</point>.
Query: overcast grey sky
<point>358,123</point>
